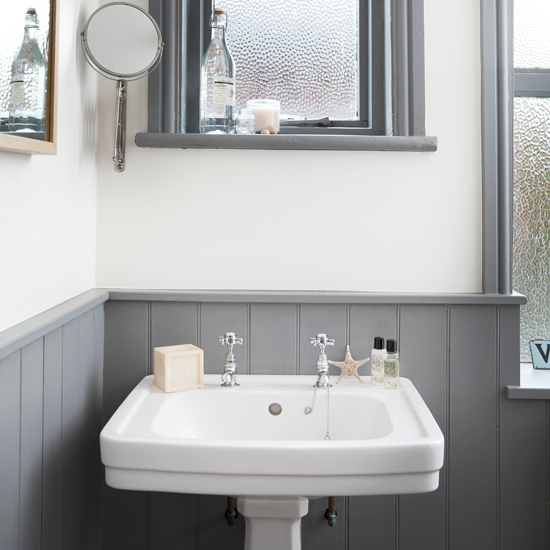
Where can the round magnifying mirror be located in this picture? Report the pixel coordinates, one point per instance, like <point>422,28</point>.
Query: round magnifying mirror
<point>122,42</point>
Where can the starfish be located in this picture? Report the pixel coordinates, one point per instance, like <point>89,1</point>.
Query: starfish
<point>349,366</point>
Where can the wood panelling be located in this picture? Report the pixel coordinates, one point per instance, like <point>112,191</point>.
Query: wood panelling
<point>50,418</point>
<point>30,464</point>
<point>51,400</point>
<point>372,520</point>
<point>10,438</point>
<point>124,513</point>
<point>423,343</point>
<point>53,451</point>
<point>173,323</point>
<point>315,531</point>
<point>70,432</point>
<point>96,469</point>
<point>273,330</point>
<point>523,451</point>
<point>460,358</point>
<point>473,421</point>
<point>212,529</point>
<point>57,391</point>
<point>172,517</point>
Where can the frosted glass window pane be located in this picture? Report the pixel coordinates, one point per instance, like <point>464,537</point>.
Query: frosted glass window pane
<point>532,216</point>
<point>302,52</point>
<point>12,26</point>
<point>532,33</point>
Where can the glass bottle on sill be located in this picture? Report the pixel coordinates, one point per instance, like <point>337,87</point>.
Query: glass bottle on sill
<point>217,94</point>
<point>27,105</point>
<point>245,122</point>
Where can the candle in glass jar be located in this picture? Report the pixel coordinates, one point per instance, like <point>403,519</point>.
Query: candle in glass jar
<point>266,111</point>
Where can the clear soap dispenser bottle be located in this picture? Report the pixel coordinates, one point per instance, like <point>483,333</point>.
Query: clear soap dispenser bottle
<point>378,356</point>
<point>391,366</point>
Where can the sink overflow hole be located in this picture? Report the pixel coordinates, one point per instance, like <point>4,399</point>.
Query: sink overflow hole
<point>275,409</point>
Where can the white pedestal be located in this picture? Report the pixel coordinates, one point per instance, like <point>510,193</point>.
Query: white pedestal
<point>272,523</point>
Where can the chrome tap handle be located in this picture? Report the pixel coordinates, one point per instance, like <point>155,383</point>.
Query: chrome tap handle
<point>321,340</point>
<point>323,378</point>
<point>229,376</point>
<point>230,339</point>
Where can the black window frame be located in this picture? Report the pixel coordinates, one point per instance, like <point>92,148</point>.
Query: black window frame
<point>400,123</point>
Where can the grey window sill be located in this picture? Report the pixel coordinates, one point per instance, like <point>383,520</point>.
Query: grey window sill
<point>304,142</point>
<point>534,384</point>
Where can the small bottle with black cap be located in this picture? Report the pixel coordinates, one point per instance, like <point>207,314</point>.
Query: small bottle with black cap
<point>378,356</point>
<point>391,366</point>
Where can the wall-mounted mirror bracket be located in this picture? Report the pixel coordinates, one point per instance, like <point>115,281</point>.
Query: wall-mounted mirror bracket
<point>120,130</point>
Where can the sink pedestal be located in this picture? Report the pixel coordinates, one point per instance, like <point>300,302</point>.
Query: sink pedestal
<point>272,523</point>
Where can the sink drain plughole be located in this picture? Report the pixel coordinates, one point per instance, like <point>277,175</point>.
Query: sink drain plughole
<point>309,410</point>
<point>275,409</point>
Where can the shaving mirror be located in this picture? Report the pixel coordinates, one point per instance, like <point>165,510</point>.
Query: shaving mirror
<point>122,42</point>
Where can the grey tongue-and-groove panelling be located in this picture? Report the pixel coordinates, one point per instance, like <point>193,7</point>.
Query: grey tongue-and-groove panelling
<point>75,366</point>
<point>51,393</point>
<point>493,491</point>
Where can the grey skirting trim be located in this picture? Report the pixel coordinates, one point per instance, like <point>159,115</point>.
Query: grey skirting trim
<point>313,297</point>
<point>309,142</point>
<point>517,392</point>
<point>26,332</point>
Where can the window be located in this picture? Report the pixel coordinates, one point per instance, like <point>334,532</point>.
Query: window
<point>532,167</point>
<point>304,54</point>
<point>319,58</point>
<point>368,81</point>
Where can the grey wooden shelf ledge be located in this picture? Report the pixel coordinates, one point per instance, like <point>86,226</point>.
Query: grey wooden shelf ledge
<point>534,384</point>
<point>18,336</point>
<point>312,297</point>
<point>300,142</point>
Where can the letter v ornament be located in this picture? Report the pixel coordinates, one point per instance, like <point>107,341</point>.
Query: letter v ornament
<point>540,352</point>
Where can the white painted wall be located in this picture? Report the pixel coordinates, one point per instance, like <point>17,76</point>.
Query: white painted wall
<point>189,219</point>
<point>244,219</point>
<point>48,203</point>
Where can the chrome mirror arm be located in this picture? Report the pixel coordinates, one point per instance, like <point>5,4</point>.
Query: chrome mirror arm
<point>120,128</point>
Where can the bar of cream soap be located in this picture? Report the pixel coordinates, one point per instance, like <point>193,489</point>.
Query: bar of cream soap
<point>179,368</point>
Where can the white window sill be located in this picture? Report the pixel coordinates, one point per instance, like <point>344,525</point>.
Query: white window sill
<point>534,384</point>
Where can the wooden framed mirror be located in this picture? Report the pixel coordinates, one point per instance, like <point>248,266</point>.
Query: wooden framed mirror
<point>14,136</point>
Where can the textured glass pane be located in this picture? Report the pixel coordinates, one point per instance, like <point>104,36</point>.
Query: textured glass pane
<point>302,52</point>
<point>532,217</point>
<point>532,33</point>
<point>12,23</point>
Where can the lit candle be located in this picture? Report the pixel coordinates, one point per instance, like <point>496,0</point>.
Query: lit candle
<point>266,112</point>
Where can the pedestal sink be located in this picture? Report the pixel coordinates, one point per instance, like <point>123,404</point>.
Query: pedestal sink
<point>231,441</point>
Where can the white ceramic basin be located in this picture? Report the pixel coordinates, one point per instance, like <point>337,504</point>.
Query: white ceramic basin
<point>224,441</point>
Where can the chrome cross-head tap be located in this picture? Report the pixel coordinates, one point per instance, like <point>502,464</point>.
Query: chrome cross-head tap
<point>321,340</point>
<point>323,378</point>
<point>229,376</point>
